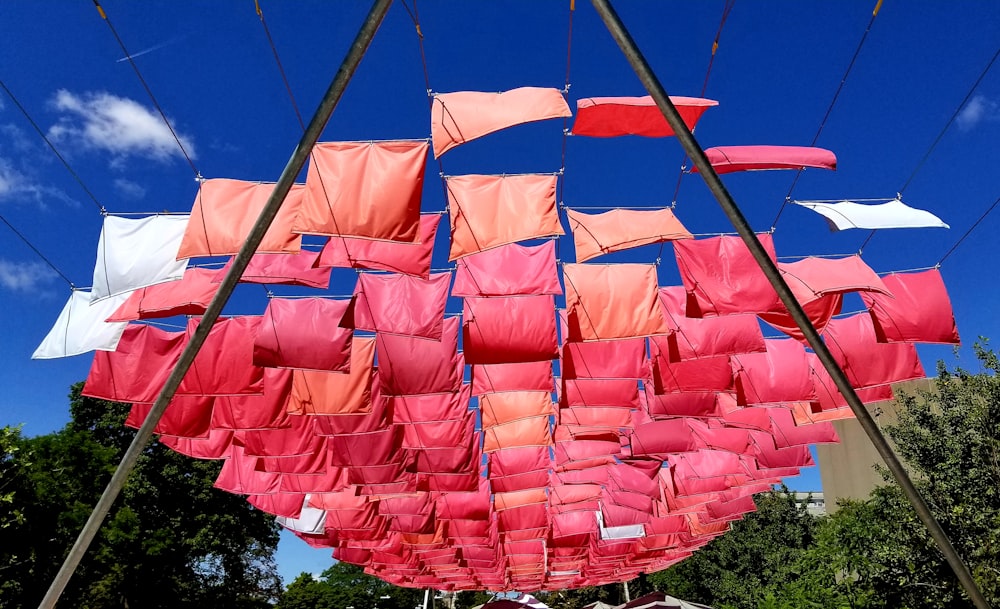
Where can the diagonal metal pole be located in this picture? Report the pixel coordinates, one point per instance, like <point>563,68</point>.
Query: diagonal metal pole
<point>292,169</point>
<point>697,155</point>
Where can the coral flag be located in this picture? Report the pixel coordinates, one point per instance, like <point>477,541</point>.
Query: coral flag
<point>334,393</point>
<point>510,329</point>
<point>487,211</point>
<point>707,337</point>
<point>138,369</point>
<point>779,375</point>
<point>224,365</point>
<point>303,333</point>
<point>612,301</point>
<point>500,408</point>
<point>620,229</point>
<point>400,304</point>
<point>508,270</point>
<point>605,359</point>
<point>728,159</point>
<point>189,296</point>
<point>532,431</point>
<point>463,116</point>
<point>225,210</point>
<point>920,310</point>
<point>364,189</point>
<point>722,277</point>
<point>282,269</point>
<point>525,376</point>
<point>410,365</point>
<point>853,342</point>
<point>393,256</point>
<point>615,116</point>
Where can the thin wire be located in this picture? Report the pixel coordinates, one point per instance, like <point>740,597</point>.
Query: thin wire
<point>277,60</point>
<point>149,92</point>
<point>958,110</point>
<point>35,249</point>
<point>704,87</point>
<point>972,228</point>
<point>52,146</point>
<point>565,131</point>
<point>833,102</point>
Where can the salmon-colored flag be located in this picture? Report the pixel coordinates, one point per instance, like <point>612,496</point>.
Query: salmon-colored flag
<point>393,256</point>
<point>334,393</point>
<point>459,117</point>
<point>620,229</point>
<point>225,210</point>
<point>364,189</point>
<point>487,211</point>
<point>606,301</point>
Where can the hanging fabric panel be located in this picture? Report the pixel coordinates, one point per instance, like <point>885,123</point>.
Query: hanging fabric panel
<point>138,369</point>
<point>400,304</point>
<point>704,404</point>
<point>133,253</point>
<point>215,446</point>
<point>620,229</point>
<point>487,211</point>
<point>188,296</point>
<point>533,431</point>
<point>256,411</point>
<point>508,270</point>
<point>512,329</point>
<point>334,393</point>
<point>412,409</point>
<point>919,311</point>
<point>185,417</point>
<point>224,365</point>
<point>706,337</point>
<point>729,159</point>
<point>379,419</point>
<point>81,327</point>
<point>721,277</point>
<point>779,375</point>
<point>605,359</point>
<point>854,344</point>
<point>225,210</point>
<point>409,365</point>
<point>616,116</point>
<point>364,189</point>
<point>282,269</point>
<point>303,333</point>
<point>613,393</point>
<point>612,301</point>
<point>526,376</point>
<point>460,117</point>
<point>702,374</point>
<point>893,214</point>
<point>500,408</point>
<point>393,256</point>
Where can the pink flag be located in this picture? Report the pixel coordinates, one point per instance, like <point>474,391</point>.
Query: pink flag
<point>615,116</point>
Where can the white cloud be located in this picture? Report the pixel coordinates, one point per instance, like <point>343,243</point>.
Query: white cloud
<point>129,189</point>
<point>978,109</point>
<point>118,125</point>
<point>24,276</point>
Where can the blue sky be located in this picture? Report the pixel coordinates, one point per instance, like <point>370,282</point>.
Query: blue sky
<point>211,69</point>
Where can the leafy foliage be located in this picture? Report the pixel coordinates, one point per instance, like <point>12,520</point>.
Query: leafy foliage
<point>345,585</point>
<point>171,540</point>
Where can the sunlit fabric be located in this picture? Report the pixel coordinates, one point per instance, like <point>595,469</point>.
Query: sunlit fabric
<point>778,422</point>
<point>511,329</point>
<point>439,434</point>
<point>508,270</point>
<point>393,256</point>
<point>411,365</point>
<point>336,393</point>
<point>412,409</point>
<point>721,277</point>
<point>693,338</point>
<point>919,311</point>
<point>400,304</point>
<point>225,210</point>
<point>854,344</point>
<point>612,301</point>
<point>621,229</point>
<point>224,365</point>
<point>683,404</point>
<point>603,417</point>
<point>525,376</point>
<point>81,327</point>
<point>486,211</point>
<point>279,504</point>
<point>133,253</point>
<point>533,431</point>
<point>265,411</point>
<point>729,159</point>
<point>615,116</point>
<point>303,333</point>
<point>188,296</point>
<point>779,375</point>
<point>364,189</point>
<point>239,475</point>
<point>185,417</point>
<point>701,374</point>
<point>892,214</point>
<point>607,359</point>
<point>500,408</point>
<point>138,368</point>
<point>660,438</point>
<point>378,419</point>
<point>215,446</point>
<point>519,468</point>
<point>599,392</point>
<point>460,117</point>
<point>829,397</point>
<point>282,269</point>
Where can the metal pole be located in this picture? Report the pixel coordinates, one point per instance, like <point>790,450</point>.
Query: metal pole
<point>697,155</point>
<point>292,169</point>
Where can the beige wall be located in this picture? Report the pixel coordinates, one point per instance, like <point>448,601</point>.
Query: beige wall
<point>847,469</point>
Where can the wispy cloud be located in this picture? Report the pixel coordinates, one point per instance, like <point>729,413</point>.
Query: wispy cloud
<point>978,110</point>
<point>118,125</point>
<point>129,189</point>
<point>25,276</point>
<point>15,185</point>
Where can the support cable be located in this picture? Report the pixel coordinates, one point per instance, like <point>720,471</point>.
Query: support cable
<point>145,86</point>
<point>833,102</point>
<point>770,270</point>
<point>968,232</point>
<point>37,252</point>
<point>298,159</point>
<point>52,146</point>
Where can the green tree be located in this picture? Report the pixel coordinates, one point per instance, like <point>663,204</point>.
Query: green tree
<point>346,585</point>
<point>171,539</point>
